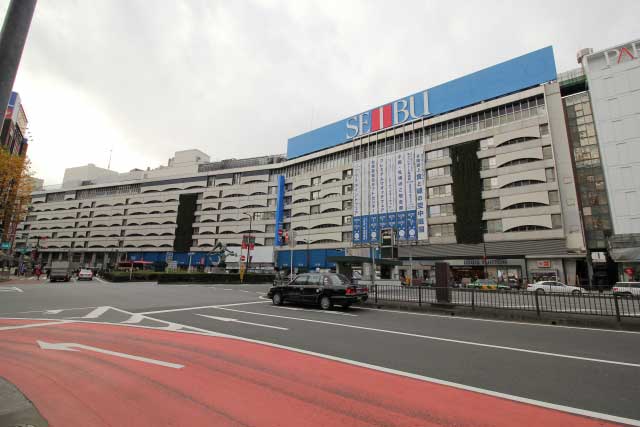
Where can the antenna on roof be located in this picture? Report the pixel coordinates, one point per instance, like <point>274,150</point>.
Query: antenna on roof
<point>109,164</point>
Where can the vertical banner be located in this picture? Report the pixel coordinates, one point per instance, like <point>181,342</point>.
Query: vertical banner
<point>364,205</point>
<point>373,200</point>
<point>356,220</point>
<point>410,194</point>
<point>279,210</point>
<point>421,196</point>
<point>401,215</point>
<point>391,190</point>
<point>382,192</point>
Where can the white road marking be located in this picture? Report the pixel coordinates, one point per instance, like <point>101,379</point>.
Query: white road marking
<point>97,312</point>
<point>242,290</point>
<point>339,313</point>
<point>75,347</point>
<point>510,322</point>
<point>227,289</point>
<point>204,332</point>
<point>10,289</point>
<point>205,306</point>
<point>135,318</point>
<point>259,293</point>
<point>568,409</point>
<point>34,325</point>
<point>101,281</point>
<point>450,340</point>
<point>228,319</point>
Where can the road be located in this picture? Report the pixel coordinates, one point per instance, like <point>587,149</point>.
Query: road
<point>242,357</point>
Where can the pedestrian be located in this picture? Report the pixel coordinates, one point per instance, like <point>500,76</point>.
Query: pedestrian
<point>38,272</point>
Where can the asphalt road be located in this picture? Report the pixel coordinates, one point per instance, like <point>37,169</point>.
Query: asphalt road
<point>577,370</point>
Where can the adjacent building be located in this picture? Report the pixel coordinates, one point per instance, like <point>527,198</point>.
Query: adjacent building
<point>13,135</point>
<point>613,77</point>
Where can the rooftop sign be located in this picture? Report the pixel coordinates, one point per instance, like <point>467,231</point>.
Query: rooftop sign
<point>507,77</point>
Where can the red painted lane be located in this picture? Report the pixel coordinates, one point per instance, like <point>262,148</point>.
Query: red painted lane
<point>232,382</point>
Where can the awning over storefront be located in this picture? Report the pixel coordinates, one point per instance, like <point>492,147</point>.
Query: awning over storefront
<point>625,254</point>
<point>548,247</point>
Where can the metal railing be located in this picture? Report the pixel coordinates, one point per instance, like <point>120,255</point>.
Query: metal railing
<point>585,303</point>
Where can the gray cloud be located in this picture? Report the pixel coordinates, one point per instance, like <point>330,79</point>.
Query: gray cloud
<point>238,78</point>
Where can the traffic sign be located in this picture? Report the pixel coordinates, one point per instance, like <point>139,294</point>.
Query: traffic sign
<point>5,245</point>
<point>243,258</point>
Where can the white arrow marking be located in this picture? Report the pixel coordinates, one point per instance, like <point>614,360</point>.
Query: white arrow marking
<point>227,319</point>
<point>53,311</point>
<point>69,346</point>
<point>11,289</point>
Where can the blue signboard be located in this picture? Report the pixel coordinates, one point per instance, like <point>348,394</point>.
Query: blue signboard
<point>519,73</point>
<point>279,210</point>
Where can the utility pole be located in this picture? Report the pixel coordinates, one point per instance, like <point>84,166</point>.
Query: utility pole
<point>12,39</point>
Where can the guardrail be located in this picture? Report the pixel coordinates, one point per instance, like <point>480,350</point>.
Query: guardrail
<point>585,303</point>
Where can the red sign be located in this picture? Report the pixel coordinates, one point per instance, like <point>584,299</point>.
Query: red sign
<point>243,258</point>
<point>280,232</point>
<point>544,264</point>
<point>629,271</point>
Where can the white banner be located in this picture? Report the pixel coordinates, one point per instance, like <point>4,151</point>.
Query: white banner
<point>410,187</point>
<point>357,188</point>
<point>382,185</point>
<point>391,183</point>
<point>364,192</point>
<point>421,194</point>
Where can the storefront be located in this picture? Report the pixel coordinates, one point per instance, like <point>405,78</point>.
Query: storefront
<point>465,271</point>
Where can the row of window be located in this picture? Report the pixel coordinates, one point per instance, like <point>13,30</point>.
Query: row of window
<point>495,225</point>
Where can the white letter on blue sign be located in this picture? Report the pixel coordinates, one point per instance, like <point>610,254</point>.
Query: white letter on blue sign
<point>397,110</point>
<point>353,127</point>
<point>364,121</point>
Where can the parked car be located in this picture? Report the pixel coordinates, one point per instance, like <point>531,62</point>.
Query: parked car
<point>324,289</point>
<point>488,285</point>
<point>627,289</point>
<point>553,287</point>
<point>85,274</point>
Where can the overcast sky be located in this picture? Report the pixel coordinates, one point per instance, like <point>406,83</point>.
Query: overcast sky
<point>237,78</point>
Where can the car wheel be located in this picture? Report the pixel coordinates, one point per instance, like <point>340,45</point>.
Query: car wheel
<point>326,303</point>
<point>575,293</point>
<point>277,299</point>
<point>539,291</point>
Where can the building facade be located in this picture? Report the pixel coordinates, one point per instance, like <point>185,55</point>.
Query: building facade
<point>13,136</point>
<point>477,172</point>
<point>613,77</point>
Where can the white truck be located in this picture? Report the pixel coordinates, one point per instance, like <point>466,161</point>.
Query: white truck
<point>60,270</point>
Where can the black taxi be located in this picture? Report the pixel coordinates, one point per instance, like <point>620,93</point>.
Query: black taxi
<point>324,289</point>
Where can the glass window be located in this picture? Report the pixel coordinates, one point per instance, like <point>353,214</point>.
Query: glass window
<point>493,226</point>
<point>315,209</point>
<point>492,204</point>
<point>486,143</point>
<point>269,241</point>
<point>556,221</point>
<point>554,197</point>
<point>347,204</point>
<point>550,173</point>
<point>315,195</point>
<point>544,129</point>
<point>488,163</point>
<point>346,219</point>
<point>347,236</point>
<point>547,152</point>
<point>347,189</point>
<point>315,181</point>
<point>347,174</point>
<point>489,183</point>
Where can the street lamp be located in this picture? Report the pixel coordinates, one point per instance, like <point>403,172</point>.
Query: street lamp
<point>249,241</point>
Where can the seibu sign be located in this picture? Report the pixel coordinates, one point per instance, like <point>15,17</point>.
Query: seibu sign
<point>409,108</point>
